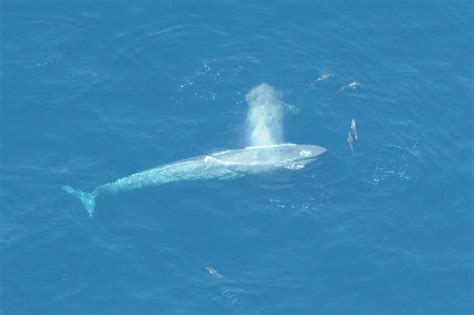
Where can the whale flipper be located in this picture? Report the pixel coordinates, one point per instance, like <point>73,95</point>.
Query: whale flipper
<point>87,199</point>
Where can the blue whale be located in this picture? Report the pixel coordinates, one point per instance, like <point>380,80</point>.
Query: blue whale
<point>229,164</point>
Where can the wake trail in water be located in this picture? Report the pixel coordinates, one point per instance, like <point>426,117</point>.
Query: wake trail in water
<point>265,115</point>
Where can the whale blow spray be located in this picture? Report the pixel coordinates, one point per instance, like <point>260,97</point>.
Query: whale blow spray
<point>265,115</point>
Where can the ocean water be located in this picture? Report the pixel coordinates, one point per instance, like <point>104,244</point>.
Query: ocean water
<point>92,91</point>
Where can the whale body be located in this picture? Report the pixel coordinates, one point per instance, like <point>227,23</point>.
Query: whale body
<point>229,164</point>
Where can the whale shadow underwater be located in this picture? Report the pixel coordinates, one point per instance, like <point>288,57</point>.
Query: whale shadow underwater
<point>267,153</point>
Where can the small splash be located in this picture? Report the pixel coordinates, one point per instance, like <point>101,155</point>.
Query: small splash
<point>231,297</point>
<point>381,174</point>
<point>396,164</point>
<point>202,71</point>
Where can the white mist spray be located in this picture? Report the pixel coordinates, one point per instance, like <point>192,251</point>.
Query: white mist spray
<point>265,115</point>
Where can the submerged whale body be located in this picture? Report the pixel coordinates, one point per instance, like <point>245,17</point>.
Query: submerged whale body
<point>223,165</point>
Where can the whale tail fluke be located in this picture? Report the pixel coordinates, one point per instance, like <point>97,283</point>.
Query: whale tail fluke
<point>87,199</point>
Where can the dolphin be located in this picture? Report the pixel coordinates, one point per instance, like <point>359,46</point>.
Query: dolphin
<point>228,164</point>
<point>354,85</point>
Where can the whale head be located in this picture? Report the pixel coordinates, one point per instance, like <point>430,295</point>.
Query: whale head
<point>296,156</point>
<point>306,151</point>
<point>285,155</point>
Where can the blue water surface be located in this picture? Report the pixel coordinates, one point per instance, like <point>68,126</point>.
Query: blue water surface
<point>92,91</point>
